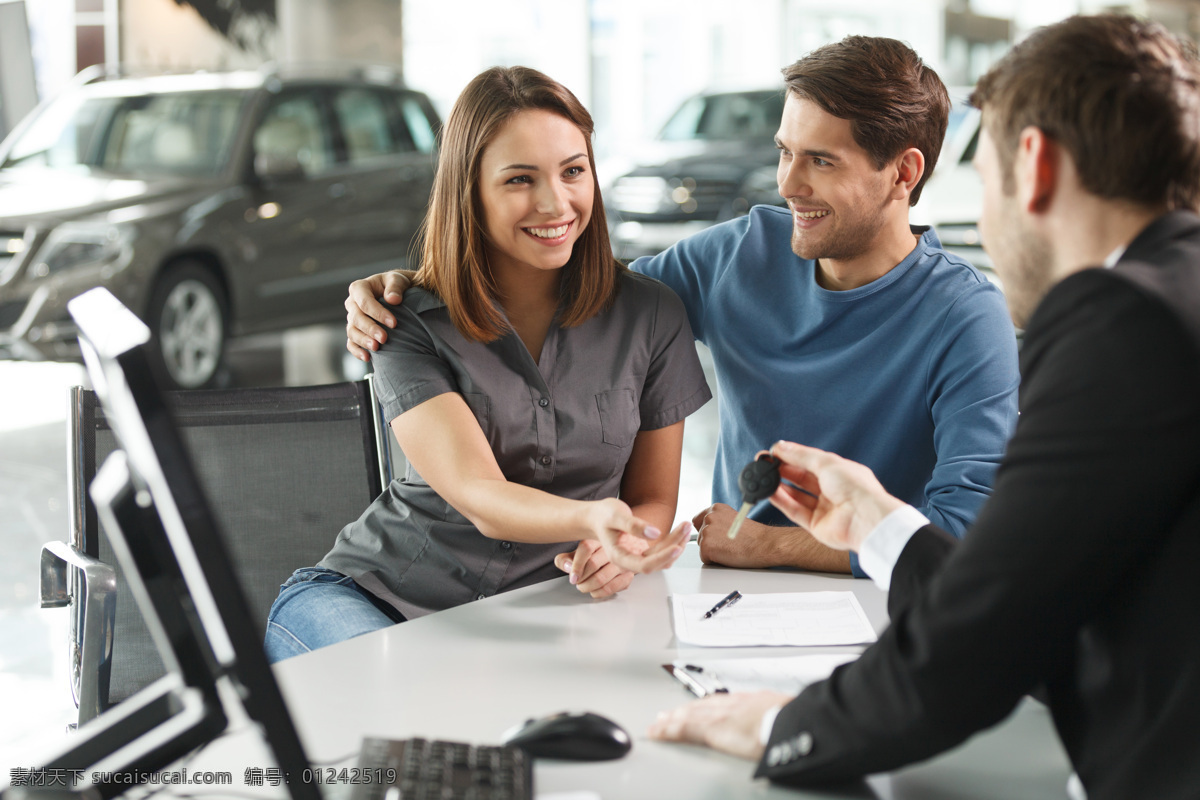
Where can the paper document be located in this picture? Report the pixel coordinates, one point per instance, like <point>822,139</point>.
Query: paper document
<point>789,674</point>
<point>792,618</point>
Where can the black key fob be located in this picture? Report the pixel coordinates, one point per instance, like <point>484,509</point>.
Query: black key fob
<point>759,479</point>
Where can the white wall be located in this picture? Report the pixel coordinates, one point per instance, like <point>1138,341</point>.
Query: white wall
<point>52,38</point>
<point>18,91</point>
<point>448,43</point>
<point>362,31</point>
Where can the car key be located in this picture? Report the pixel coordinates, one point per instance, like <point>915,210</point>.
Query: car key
<point>758,481</point>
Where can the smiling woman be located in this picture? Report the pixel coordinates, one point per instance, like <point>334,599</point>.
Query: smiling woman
<point>536,189</point>
<point>518,116</point>
<point>537,388</point>
<point>543,204</point>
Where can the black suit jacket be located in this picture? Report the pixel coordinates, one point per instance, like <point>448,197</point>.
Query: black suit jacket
<point>1081,575</point>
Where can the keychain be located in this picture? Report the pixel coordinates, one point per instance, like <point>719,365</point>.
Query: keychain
<point>757,482</point>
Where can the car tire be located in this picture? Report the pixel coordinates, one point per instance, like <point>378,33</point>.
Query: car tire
<point>188,318</point>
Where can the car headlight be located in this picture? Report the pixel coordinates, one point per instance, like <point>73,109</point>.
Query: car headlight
<point>639,194</point>
<point>12,244</point>
<point>76,245</point>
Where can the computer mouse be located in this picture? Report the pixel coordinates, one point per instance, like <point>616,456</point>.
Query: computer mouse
<point>572,736</point>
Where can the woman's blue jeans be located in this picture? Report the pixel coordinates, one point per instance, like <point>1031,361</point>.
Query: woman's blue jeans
<point>318,607</point>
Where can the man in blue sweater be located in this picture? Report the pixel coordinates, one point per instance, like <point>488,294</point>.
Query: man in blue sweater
<point>833,322</point>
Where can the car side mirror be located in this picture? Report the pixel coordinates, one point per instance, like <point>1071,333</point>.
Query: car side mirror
<point>277,166</point>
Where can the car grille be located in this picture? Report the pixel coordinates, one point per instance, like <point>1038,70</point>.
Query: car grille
<point>712,197</point>
<point>650,198</point>
<point>10,312</point>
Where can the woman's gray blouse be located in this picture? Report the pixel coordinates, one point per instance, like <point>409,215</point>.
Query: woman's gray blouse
<point>564,424</point>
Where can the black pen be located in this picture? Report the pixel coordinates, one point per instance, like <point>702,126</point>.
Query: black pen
<point>728,600</point>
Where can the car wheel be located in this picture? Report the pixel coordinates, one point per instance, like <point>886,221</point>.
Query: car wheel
<point>187,318</point>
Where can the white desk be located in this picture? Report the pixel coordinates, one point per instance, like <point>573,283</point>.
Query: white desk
<point>470,673</point>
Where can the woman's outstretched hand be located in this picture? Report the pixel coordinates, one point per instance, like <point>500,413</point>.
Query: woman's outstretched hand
<point>621,545</point>
<point>632,543</point>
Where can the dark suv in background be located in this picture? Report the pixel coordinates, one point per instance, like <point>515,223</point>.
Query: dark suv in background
<point>212,204</point>
<point>713,159</point>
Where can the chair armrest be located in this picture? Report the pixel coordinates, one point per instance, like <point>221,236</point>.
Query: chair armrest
<point>99,578</point>
<point>94,619</point>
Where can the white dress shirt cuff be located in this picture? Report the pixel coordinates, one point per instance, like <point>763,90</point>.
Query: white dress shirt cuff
<point>882,547</point>
<point>768,722</point>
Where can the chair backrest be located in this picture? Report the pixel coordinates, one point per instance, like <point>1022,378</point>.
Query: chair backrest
<point>284,469</point>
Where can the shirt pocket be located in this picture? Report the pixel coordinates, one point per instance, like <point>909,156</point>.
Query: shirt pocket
<point>619,417</point>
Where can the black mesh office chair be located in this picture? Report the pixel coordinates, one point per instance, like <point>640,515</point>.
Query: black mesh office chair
<point>284,468</point>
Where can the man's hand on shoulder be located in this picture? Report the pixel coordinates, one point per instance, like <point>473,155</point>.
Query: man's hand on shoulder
<point>758,546</point>
<point>364,313</point>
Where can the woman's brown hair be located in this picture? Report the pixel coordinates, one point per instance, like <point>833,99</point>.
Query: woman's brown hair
<point>454,261</point>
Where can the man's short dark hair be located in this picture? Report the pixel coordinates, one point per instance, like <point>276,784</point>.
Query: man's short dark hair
<point>1121,95</point>
<point>891,98</point>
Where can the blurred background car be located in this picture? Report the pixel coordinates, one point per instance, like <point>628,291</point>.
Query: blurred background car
<point>212,204</point>
<point>714,158</point>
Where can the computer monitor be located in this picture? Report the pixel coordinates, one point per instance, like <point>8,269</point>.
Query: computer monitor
<point>179,570</point>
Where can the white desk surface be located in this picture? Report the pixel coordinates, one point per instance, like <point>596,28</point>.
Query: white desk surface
<point>470,673</point>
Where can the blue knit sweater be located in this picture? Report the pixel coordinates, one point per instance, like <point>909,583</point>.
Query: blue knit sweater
<point>914,374</point>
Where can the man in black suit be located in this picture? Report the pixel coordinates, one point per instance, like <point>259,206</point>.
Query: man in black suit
<point>1078,581</point>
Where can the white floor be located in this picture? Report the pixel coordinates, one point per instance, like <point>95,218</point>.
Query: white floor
<point>35,699</point>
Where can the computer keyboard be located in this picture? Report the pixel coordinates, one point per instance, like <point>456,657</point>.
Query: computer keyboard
<point>420,769</point>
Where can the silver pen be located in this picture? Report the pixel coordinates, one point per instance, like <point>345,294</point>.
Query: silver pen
<point>710,676</point>
<point>694,686</point>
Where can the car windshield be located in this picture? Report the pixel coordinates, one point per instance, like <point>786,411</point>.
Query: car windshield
<point>183,133</point>
<point>746,115</point>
